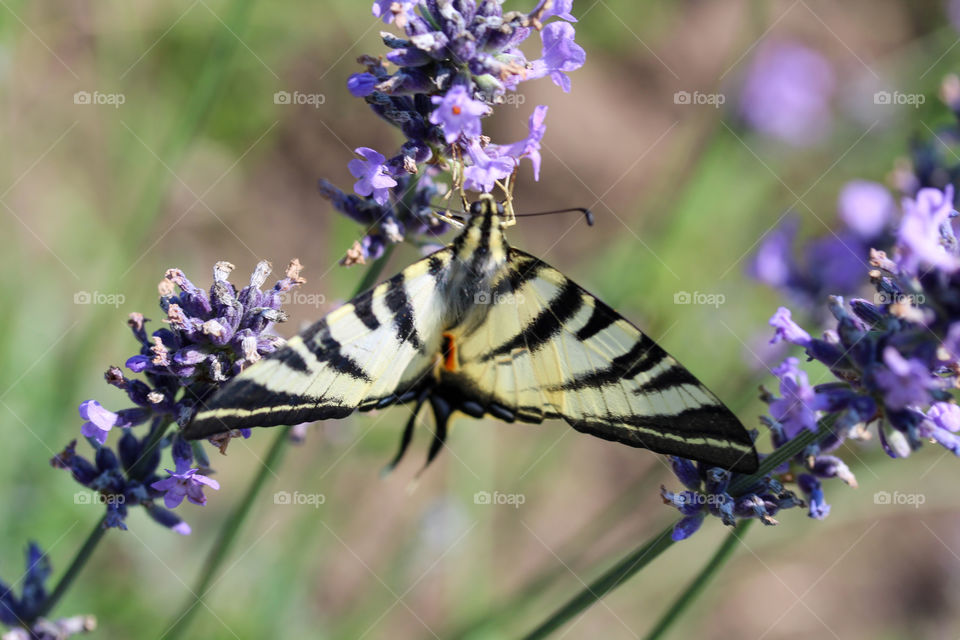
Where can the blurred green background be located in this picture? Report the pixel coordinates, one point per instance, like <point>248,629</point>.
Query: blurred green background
<point>199,164</point>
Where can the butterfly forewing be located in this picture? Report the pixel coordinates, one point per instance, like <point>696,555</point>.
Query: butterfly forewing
<point>357,356</point>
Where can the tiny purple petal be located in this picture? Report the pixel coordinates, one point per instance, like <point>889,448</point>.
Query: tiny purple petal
<point>371,172</point>
<point>687,526</point>
<point>787,329</point>
<point>361,85</point>
<point>137,363</point>
<point>866,207</point>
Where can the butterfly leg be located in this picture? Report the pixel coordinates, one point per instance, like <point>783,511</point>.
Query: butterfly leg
<point>442,410</point>
<point>407,436</point>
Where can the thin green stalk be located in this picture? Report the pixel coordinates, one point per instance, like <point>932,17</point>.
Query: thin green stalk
<point>232,524</point>
<point>653,548</point>
<point>575,547</point>
<point>228,534</point>
<point>724,553</point>
<point>800,442</point>
<point>75,567</point>
<point>613,578</point>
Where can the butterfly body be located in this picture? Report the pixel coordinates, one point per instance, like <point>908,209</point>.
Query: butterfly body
<point>484,329</point>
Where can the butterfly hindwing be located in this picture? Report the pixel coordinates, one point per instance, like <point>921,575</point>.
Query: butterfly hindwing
<point>366,353</point>
<point>547,348</point>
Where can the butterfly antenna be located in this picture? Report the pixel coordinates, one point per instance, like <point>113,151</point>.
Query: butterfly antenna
<point>587,214</point>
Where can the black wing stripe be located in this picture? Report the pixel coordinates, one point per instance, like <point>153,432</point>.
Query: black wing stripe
<point>545,325</point>
<point>643,356</point>
<point>363,309</point>
<point>399,304</point>
<point>668,378</point>
<point>601,318</point>
<point>325,347</point>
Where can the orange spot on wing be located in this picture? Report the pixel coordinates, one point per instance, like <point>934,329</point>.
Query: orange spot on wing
<point>449,352</point>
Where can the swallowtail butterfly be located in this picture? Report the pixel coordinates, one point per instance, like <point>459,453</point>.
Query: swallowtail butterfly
<point>485,329</point>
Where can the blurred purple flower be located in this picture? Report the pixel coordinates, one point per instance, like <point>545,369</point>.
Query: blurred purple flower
<point>560,9</point>
<point>925,231</point>
<point>866,207</point>
<point>905,382</point>
<point>942,425</point>
<point>787,93</point>
<point>796,410</point>
<point>99,421</point>
<point>373,179</point>
<point>787,329</point>
<point>458,113</point>
<point>383,9</point>
<point>813,490</point>
<point>560,54</point>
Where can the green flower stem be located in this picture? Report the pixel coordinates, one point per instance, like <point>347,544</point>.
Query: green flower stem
<point>232,524</point>
<point>228,534</point>
<point>613,578</point>
<point>800,442</point>
<point>496,617</point>
<point>724,553</point>
<point>640,558</point>
<point>75,567</point>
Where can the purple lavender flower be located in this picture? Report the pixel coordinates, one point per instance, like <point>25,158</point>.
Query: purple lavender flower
<point>185,482</point>
<point>560,54</point>
<point>941,424</point>
<point>925,237</point>
<point>458,114</point>
<point>813,490</point>
<point>796,410</point>
<point>99,421</point>
<point>866,207</point>
<point>787,329</point>
<point>209,337</point>
<point>485,170</point>
<point>373,178</point>
<point>455,63</point>
<point>905,382</point>
<point>560,9</point>
<point>361,84</point>
<point>389,10</point>
<point>787,93</point>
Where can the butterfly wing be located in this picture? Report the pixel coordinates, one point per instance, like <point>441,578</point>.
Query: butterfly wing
<point>367,353</point>
<point>547,348</point>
